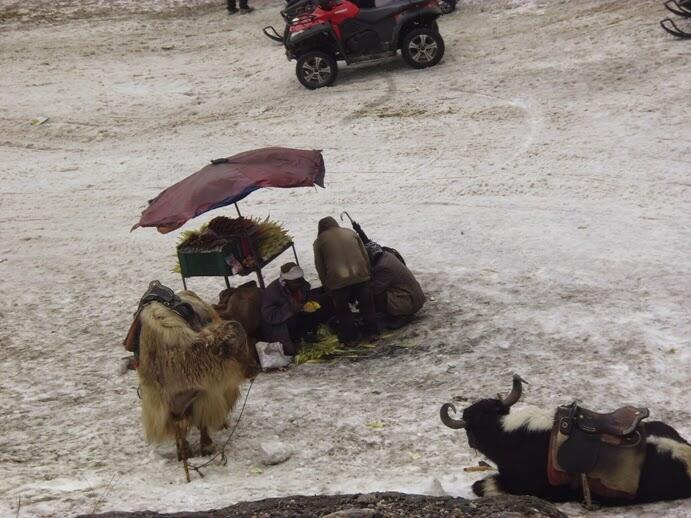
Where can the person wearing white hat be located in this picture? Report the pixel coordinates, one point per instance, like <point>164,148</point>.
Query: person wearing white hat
<point>286,314</point>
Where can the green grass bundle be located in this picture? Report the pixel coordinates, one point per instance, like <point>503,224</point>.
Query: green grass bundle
<point>327,347</point>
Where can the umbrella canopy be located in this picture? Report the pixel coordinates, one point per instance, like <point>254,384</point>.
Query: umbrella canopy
<point>228,180</point>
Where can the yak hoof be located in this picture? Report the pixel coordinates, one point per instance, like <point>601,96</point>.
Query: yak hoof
<point>207,449</point>
<point>183,450</point>
<point>206,444</point>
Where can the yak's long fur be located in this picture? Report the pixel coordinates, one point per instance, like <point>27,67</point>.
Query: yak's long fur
<point>174,357</point>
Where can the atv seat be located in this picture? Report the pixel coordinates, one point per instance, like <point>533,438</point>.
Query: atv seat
<point>386,3</point>
<point>622,421</point>
<point>379,13</point>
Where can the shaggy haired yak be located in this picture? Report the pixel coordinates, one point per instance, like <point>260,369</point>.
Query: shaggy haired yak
<point>190,366</point>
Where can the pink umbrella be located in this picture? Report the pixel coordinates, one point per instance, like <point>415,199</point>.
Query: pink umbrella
<point>228,180</point>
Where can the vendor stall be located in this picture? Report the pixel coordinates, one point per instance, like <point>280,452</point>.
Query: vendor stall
<point>232,246</point>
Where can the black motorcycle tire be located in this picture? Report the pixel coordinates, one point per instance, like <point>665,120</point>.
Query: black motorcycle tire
<point>316,58</point>
<point>424,34</point>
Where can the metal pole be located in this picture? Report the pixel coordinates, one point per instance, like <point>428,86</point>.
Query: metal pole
<point>261,278</point>
<point>227,283</point>
<point>257,263</point>
<point>238,209</point>
<point>295,254</point>
<point>184,284</point>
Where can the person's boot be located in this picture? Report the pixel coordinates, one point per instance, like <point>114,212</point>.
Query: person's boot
<point>350,340</point>
<point>246,10</point>
<point>232,10</point>
<point>371,338</point>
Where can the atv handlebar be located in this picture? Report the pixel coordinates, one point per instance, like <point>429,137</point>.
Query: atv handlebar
<point>272,34</point>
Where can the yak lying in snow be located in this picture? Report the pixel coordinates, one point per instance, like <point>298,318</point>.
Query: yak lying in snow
<point>190,365</point>
<point>621,459</point>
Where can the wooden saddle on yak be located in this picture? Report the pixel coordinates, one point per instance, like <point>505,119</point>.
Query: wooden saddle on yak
<point>602,452</point>
<point>157,292</point>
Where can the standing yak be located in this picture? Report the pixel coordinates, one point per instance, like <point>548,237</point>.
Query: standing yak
<point>190,365</point>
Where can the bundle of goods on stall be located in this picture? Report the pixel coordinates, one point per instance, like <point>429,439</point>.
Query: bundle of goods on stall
<point>243,241</point>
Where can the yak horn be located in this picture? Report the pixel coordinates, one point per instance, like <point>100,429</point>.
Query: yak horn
<point>515,393</point>
<point>449,421</point>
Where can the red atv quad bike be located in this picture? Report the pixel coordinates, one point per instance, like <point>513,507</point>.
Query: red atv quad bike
<point>341,30</point>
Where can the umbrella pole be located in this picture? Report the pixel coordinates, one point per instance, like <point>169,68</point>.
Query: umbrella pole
<point>257,263</point>
<point>295,254</point>
<point>237,209</point>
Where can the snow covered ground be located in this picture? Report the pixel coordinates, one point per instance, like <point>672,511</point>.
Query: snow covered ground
<point>537,180</point>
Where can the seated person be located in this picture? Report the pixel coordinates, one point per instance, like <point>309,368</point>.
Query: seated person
<point>397,294</point>
<point>285,317</point>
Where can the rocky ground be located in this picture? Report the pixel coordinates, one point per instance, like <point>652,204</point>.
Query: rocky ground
<point>371,505</point>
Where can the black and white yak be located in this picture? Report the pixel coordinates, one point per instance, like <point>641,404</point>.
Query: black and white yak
<point>518,442</point>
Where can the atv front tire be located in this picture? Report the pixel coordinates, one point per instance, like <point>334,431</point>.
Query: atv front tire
<point>316,69</point>
<point>422,48</point>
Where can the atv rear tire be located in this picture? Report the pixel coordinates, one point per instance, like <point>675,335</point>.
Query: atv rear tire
<point>422,48</point>
<point>447,6</point>
<point>316,69</point>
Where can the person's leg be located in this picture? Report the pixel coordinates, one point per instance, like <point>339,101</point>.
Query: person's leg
<point>365,300</point>
<point>303,323</point>
<point>346,325</point>
<point>380,302</point>
<point>311,321</point>
<point>232,8</point>
<point>295,328</point>
<point>326,311</point>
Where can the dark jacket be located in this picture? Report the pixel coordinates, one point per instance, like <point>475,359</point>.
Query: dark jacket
<point>339,256</point>
<point>393,282</point>
<point>278,306</point>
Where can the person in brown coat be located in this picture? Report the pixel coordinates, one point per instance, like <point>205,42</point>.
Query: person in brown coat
<point>397,294</point>
<point>344,270</point>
